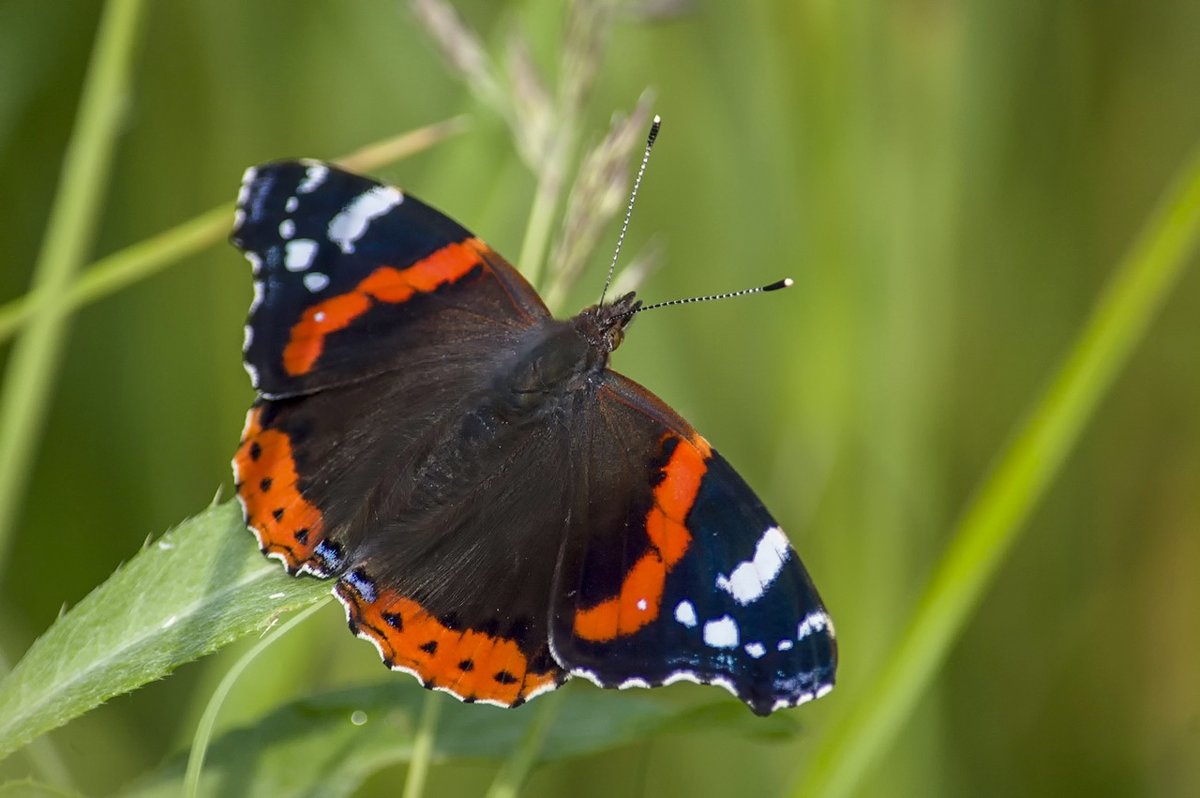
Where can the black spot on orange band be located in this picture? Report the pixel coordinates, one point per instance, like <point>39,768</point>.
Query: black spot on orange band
<point>285,522</point>
<point>473,665</point>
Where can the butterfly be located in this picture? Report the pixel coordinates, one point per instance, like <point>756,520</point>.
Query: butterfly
<point>499,509</point>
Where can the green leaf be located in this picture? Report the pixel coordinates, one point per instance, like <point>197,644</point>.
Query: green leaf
<point>328,744</point>
<point>197,588</point>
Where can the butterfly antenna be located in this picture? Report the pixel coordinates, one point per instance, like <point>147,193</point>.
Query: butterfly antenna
<point>775,286</point>
<point>637,182</point>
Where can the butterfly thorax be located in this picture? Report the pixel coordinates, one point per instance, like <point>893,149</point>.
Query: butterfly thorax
<point>562,359</point>
<point>551,372</point>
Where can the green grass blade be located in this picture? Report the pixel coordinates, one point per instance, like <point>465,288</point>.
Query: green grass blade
<point>208,721</point>
<point>197,588</point>
<point>422,747</point>
<point>147,258</point>
<point>512,775</point>
<point>29,378</point>
<point>992,521</point>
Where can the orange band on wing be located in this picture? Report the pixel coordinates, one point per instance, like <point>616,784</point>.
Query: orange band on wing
<point>641,594</point>
<point>473,665</point>
<point>385,284</point>
<point>285,523</point>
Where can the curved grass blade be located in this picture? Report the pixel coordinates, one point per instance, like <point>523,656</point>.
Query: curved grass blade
<point>208,721</point>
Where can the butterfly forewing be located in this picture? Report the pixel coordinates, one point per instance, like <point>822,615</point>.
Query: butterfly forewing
<point>352,276</point>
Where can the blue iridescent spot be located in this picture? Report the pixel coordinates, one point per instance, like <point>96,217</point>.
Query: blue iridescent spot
<point>330,554</point>
<point>362,584</point>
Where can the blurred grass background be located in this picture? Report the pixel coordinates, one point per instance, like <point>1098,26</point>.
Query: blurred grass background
<point>949,183</point>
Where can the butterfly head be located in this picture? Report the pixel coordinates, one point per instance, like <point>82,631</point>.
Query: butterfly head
<point>603,326</point>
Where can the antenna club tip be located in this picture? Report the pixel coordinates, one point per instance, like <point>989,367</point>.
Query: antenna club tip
<point>657,120</point>
<point>786,282</point>
<point>654,126</point>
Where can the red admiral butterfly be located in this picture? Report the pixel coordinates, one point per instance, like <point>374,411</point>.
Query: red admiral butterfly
<point>501,511</point>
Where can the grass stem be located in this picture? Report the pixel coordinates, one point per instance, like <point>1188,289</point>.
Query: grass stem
<point>516,768</point>
<point>422,753</point>
<point>146,258</point>
<point>70,231</point>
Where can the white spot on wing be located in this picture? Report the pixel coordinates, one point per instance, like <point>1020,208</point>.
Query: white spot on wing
<point>756,650</point>
<point>247,178</point>
<point>313,177</point>
<point>255,263</point>
<point>751,578</point>
<point>794,701</point>
<point>299,254</point>
<point>589,675</point>
<point>721,633</point>
<point>685,613</point>
<point>785,645</point>
<point>287,229</point>
<point>247,337</point>
<point>537,691</point>
<point>641,605</point>
<point>315,281</point>
<point>291,205</point>
<point>319,316</point>
<point>815,621</point>
<point>352,222</point>
<point>258,296</point>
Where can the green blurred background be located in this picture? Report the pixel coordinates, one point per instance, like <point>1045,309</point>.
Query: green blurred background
<point>949,183</point>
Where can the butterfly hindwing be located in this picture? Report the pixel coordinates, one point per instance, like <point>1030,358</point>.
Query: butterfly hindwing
<point>444,559</point>
<point>688,577</point>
